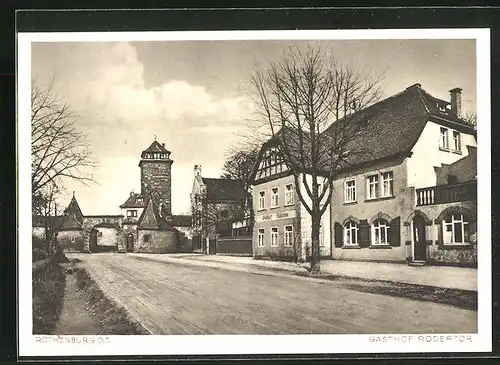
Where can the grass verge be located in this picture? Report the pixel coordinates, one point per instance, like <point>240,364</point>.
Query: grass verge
<point>459,298</point>
<point>48,300</point>
<point>113,319</point>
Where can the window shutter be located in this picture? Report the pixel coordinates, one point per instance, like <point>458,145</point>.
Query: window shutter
<point>395,232</point>
<point>440,227</point>
<point>364,233</point>
<point>339,235</point>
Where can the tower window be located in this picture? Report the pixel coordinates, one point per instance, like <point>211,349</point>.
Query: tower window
<point>132,213</point>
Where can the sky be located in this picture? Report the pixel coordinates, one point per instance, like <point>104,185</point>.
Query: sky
<point>194,97</point>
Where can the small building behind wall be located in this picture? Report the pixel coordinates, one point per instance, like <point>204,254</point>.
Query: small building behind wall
<point>215,205</point>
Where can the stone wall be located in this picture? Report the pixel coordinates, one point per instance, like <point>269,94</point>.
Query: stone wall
<point>439,253</point>
<point>159,241</point>
<point>91,222</point>
<point>156,175</point>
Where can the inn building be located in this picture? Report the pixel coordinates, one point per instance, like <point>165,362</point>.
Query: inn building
<point>407,194</point>
<point>412,197</point>
<point>282,228</point>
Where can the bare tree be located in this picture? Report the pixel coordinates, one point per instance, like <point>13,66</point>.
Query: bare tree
<point>239,166</point>
<point>471,118</point>
<point>58,152</point>
<point>58,149</point>
<point>302,98</point>
<point>212,218</point>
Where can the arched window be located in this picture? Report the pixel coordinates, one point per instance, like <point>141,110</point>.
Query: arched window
<point>455,229</point>
<point>380,232</point>
<point>351,230</point>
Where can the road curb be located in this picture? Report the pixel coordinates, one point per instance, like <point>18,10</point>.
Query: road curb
<point>255,268</point>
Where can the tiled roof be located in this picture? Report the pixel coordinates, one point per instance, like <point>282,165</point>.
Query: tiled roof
<point>156,147</point>
<point>74,210</point>
<point>181,221</point>
<point>388,128</point>
<point>151,217</point>
<point>441,108</point>
<point>392,126</point>
<point>130,220</point>
<point>61,222</point>
<point>464,169</point>
<point>224,189</point>
<point>134,201</point>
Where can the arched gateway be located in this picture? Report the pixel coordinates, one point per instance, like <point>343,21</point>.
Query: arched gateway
<point>103,233</point>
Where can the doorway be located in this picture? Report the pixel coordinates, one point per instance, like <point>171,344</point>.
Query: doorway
<point>130,242</point>
<point>419,239</point>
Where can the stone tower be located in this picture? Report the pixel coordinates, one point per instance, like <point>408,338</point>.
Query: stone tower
<point>156,175</point>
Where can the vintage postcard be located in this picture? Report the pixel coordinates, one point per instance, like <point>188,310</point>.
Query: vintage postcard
<point>308,191</point>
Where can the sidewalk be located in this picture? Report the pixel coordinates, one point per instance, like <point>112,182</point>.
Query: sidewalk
<point>434,276</point>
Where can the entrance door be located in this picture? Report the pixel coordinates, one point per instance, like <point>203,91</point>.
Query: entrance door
<point>93,240</point>
<point>130,243</point>
<point>419,239</point>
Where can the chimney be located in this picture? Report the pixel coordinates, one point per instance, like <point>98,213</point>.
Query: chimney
<point>456,101</point>
<point>197,170</point>
<point>163,145</point>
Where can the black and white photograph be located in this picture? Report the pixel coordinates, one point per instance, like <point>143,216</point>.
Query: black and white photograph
<point>308,191</point>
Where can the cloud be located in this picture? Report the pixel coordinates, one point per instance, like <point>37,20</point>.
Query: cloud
<point>105,84</point>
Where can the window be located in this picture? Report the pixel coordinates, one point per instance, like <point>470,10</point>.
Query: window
<point>455,230</point>
<point>73,239</point>
<point>457,146</point>
<point>274,197</point>
<point>351,230</point>
<point>443,142</point>
<point>350,191</point>
<point>372,182</point>
<point>387,184</point>
<point>146,238</point>
<point>380,232</point>
<point>260,242</point>
<point>288,235</point>
<point>274,236</point>
<point>289,194</point>
<point>262,200</point>
<point>131,213</point>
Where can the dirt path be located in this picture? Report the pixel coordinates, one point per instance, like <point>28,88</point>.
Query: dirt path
<point>176,299</point>
<point>76,317</point>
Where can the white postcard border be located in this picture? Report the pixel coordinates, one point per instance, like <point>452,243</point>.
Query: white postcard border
<point>33,345</point>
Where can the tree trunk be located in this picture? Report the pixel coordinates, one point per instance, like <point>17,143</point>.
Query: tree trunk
<point>315,253</point>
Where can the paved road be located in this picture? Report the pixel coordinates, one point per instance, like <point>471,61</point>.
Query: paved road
<point>176,299</point>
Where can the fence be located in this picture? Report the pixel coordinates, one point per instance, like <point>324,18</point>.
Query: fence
<point>241,246</point>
